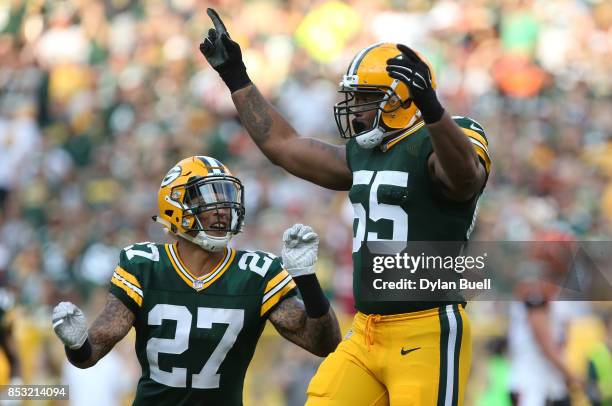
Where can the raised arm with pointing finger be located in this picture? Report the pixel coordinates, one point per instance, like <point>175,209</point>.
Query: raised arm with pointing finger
<point>307,158</point>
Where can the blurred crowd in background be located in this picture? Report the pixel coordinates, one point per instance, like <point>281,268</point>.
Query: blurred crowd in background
<point>98,99</point>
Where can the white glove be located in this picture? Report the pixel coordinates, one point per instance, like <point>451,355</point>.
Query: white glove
<point>300,247</point>
<point>70,325</point>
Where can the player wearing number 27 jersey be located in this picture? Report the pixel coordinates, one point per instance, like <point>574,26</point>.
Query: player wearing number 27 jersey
<point>198,306</point>
<point>414,173</point>
<point>197,333</point>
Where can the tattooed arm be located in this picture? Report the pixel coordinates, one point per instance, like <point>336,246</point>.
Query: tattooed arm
<point>313,160</point>
<point>310,159</point>
<point>107,330</point>
<point>319,336</point>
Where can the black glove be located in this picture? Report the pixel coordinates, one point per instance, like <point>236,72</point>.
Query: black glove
<point>224,54</point>
<point>414,73</point>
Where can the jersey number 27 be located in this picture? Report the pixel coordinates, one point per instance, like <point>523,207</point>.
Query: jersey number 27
<point>207,378</point>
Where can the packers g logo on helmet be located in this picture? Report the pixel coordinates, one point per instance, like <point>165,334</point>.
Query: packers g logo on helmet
<point>367,87</point>
<point>201,201</point>
<point>171,176</point>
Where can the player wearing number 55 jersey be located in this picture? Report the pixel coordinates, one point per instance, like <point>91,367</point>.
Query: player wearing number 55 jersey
<point>414,173</point>
<point>198,306</point>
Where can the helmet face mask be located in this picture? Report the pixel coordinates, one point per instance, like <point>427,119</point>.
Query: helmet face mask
<point>361,100</point>
<point>366,77</point>
<point>200,201</point>
<point>214,204</point>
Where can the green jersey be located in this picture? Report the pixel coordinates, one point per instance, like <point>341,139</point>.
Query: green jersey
<point>195,336</point>
<point>395,201</point>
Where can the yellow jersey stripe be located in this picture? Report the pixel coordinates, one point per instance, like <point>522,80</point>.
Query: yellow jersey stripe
<point>176,268</point>
<point>220,267</point>
<point>184,267</point>
<point>476,135</point>
<point>276,280</point>
<point>204,281</point>
<point>220,272</point>
<point>278,287</point>
<point>128,284</point>
<point>391,143</point>
<point>132,294</point>
<point>274,299</point>
<point>481,145</point>
<point>485,157</point>
<point>482,152</point>
<point>205,278</point>
<point>128,276</point>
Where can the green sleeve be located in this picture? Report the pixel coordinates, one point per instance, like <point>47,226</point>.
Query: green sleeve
<point>125,283</point>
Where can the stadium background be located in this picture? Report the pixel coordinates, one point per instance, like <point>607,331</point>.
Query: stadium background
<point>99,98</point>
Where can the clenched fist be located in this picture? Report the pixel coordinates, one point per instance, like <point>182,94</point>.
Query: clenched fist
<point>70,325</point>
<point>300,248</point>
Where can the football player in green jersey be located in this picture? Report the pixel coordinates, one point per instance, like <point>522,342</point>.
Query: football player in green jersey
<point>415,173</point>
<point>198,306</point>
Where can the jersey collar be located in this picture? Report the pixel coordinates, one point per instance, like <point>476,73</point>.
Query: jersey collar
<point>388,144</point>
<point>202,282</point>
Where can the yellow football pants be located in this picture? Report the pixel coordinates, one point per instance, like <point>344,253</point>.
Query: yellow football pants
<point>420,358</point>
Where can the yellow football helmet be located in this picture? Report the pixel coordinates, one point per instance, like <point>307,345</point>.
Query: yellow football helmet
<point>201,201</point>
<point>367,86</point>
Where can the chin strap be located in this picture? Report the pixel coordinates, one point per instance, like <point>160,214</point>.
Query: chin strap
<point>370,139</point>
<point>206,242</point>
<point>374,137</point>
